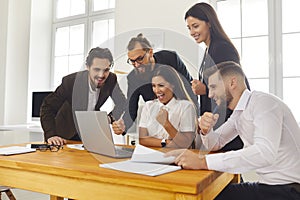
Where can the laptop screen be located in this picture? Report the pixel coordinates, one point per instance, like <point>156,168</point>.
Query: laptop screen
<point>95,132</point>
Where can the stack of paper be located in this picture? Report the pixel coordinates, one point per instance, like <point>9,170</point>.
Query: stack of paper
<point>15,150</point>
<point>76,146</point>
<point>145,161</point>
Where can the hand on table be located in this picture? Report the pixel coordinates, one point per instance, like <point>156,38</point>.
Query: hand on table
<point>56,140</point>
<point>188,159</point>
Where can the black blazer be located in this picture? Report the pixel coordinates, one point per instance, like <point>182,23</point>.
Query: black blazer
<point>142,85</point>
<point>57,110</point>
<point>219,51</point>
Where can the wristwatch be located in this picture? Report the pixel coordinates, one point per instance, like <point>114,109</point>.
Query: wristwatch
<point>163,143</point>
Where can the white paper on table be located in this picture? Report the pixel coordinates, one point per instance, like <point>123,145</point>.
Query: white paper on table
<point>15,150</point>
<point>145,154</point>
<point>76,146</point>
<point>145,161</point>
<point>149,169</point>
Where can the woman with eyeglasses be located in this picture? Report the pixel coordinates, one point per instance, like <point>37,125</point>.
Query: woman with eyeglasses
<point>204,26</point>
<point>170,120</point>
<point>144,61</point>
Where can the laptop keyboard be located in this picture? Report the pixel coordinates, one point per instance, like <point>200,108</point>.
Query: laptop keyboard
<point>124,150</point>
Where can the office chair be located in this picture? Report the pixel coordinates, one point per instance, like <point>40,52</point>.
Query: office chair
<point>8,192</point>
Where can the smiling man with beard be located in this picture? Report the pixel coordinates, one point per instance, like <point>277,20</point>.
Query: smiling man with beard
<point>84,90</point>
<point>145,61</point>
<point>268,129</point>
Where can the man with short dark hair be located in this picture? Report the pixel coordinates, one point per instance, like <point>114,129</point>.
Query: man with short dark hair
<point>268,129</point>
<point>84,90</point>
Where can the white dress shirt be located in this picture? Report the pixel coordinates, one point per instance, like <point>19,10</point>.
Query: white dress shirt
<point>93,97</point>
<point>271,139</point>
<point>182,116</point>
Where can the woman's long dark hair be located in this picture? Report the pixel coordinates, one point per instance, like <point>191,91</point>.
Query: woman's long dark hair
<point>179,91</point>
<point>172,77</point>
<point>205,12</point>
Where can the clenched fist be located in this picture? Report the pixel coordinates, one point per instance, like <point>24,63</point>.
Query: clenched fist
<point>163,116</point>
<point>198,87</point>
<point>207,122</point>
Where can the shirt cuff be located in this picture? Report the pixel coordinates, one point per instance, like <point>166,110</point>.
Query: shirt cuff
<point>215,161</point>
<point>209,140</point>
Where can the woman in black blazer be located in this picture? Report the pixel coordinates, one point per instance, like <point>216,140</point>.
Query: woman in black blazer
<point>204,26</point>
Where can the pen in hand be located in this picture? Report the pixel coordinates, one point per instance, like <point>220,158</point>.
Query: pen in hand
<point>112,119</point>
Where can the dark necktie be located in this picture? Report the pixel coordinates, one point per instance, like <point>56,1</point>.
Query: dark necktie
<point>202,66</point>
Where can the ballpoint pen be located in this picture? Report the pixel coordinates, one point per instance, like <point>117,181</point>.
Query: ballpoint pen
<point>112,119</point>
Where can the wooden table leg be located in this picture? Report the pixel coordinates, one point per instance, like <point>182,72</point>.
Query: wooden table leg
<point>236,178</point>
<point>56,198</point>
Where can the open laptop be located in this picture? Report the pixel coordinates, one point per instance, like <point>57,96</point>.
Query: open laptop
<point>96,134</point>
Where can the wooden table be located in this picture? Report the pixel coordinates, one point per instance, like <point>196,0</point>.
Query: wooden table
<point>76,174</point>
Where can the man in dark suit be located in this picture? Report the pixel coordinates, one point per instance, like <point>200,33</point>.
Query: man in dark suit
<point>141,56</point>
<point>84,90</point>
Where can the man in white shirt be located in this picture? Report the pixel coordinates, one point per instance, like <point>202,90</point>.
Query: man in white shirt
<point>268,129</point>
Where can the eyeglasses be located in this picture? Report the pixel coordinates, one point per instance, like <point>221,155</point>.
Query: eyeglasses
<point>139,59</point>
<point>52,148</point>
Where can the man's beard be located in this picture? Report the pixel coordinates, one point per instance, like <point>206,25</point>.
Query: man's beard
<point>228,97</point>
<point>147,74</point>
<point>99,85</point>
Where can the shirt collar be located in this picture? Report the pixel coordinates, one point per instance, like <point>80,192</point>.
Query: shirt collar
<point>169,105</point>
<point>243,100</point>
<point>91,89</point>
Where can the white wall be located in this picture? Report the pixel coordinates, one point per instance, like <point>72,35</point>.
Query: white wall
<point>167,14</point>
<point>3,35</point>
<point>39,78</point>
<point>16,68</point>
<point>166,17</point>
<point>25,46</point>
